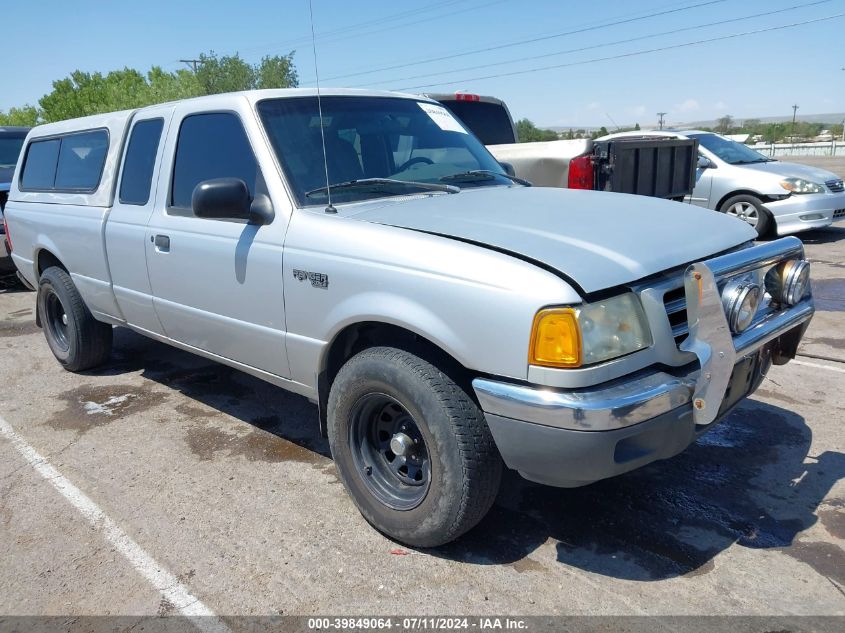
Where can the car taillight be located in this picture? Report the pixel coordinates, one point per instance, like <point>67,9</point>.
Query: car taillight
<point>465,96</point>
<point>581,172</point>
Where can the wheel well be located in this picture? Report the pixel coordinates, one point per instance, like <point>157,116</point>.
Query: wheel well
<point>742,192</point>
<point>45,260</point>
<point>357,337</point>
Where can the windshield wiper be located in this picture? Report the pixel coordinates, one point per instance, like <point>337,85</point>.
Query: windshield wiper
<point>381,183</point>
<point>476,175</point>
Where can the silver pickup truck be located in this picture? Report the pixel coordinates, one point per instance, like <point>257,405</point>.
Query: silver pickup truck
<point>446,320</point>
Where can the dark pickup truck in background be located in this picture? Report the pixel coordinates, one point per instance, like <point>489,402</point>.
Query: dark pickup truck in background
<point>663,168</point>
<point>11,141</point>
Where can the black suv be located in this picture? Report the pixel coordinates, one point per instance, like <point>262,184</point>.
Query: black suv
<point>11,141</point>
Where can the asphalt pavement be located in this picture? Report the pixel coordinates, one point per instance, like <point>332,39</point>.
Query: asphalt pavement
<point>164,483</point>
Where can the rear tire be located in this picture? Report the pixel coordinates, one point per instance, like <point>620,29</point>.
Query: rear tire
<point>412,448</point>
<point>76,338</point>
<point>751,211</point>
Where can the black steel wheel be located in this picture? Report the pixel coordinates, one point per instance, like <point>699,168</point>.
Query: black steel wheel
<point>389,450</point>
<point>411,447</point>
<point>56,320</point>
<point>76,338</point>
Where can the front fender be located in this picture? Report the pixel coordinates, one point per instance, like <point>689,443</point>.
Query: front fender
<point>475,304</point>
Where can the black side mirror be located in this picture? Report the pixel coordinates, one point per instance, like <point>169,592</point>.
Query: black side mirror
<point>221,199</point>
<point>509,170</point>
<point>229,199</point>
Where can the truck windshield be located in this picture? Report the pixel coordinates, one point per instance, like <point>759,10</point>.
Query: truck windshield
<point>369,138</point>
<point>730,151</point>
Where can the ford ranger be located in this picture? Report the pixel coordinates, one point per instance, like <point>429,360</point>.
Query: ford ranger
<point>364,250</point>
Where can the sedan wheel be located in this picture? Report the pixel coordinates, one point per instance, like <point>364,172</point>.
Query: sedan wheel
<point>746,212</point>
<point>750,210</point>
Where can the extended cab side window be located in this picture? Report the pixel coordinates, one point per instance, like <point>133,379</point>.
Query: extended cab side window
<point>72,162</point>
<point>39,168</point>
<point>212,145</point>
<point>81,161</point>
<point>137,178</point>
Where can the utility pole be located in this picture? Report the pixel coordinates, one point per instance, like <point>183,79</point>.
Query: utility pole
<point>794,110</point>
<point>660,116</point>
<point>192,63</point>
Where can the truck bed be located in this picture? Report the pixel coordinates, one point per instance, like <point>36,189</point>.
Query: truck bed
<point>647,166</point>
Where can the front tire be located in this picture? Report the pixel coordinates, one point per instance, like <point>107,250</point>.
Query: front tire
<point>412,448</point>
<point>750,210</point>
<point>76,338</point>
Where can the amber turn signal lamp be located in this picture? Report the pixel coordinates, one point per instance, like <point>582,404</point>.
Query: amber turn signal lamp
<point>555,339</point>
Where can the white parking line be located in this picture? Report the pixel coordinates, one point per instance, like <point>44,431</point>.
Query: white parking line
<point>166,583</point>
<point>838,370</point>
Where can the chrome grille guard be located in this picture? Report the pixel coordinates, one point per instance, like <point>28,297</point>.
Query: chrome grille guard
<point>710,338</point>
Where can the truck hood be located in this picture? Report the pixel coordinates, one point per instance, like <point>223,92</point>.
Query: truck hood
<point>793,170</point>
<point>599,240</point>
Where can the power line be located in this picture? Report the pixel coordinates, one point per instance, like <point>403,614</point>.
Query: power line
<point>331,36</point>
<point>358,35</point>
<point>624,55</point>
<point>595,46</point>
<point>532,40</point>
<point>337,35</point>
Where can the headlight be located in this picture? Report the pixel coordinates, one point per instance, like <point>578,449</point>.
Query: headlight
<point>789,281</point>
<point>589,333</point>
<point>799,185</point>
<point>741,298</point>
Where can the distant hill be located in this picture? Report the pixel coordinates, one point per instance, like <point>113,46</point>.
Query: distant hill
<point>833,117</point>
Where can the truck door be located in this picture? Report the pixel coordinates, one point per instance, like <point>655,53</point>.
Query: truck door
<point>216,283</point>
<point>126,228</point>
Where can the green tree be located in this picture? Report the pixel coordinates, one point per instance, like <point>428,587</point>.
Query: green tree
<point>26,116</point>
<point>725,124</point>
<point>528,132</point>
<point>83,93</point>
<point>229,73</point>
<point>752,126</point>
<point>165,86</point>
<point>637,127</point>
<point>276,72</point>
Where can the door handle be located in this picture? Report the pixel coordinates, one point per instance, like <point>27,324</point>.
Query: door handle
<point>162,243</point>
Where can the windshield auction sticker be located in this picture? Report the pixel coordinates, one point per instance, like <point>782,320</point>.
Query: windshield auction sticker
<point>441,116</point>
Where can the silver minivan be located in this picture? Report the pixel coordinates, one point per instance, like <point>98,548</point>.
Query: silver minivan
<point>771,195</point>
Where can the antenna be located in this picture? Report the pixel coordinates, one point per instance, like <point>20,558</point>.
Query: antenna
<point>330,207</point>
<point>612,121</point>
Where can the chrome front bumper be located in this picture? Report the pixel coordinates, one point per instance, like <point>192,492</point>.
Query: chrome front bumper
<point>624,402</point>
<point>634,399</point>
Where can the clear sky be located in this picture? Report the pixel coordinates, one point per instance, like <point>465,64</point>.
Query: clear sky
<point>754,75</point>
